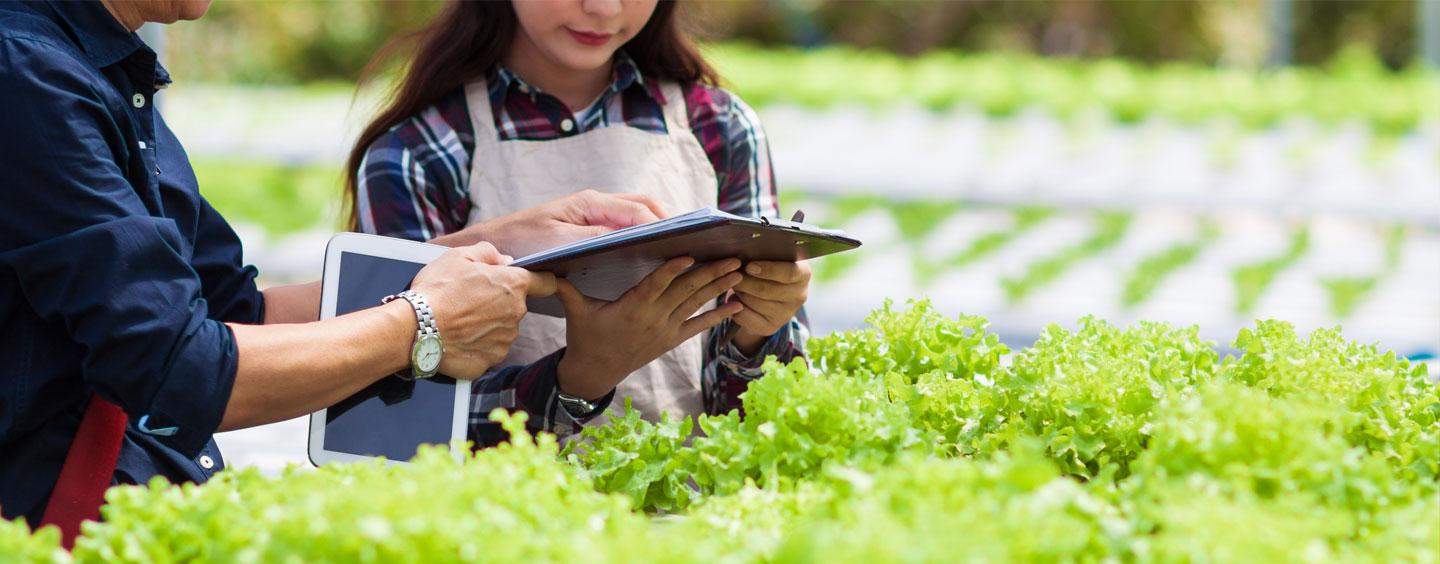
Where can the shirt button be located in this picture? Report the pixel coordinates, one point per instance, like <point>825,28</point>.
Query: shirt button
<point>567,125</point>
<point>138,100</point>
<point>206,462</point>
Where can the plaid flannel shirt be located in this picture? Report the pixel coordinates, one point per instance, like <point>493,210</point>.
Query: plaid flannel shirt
<point>413,184</point>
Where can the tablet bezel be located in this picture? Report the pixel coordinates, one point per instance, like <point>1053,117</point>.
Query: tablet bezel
<point>389,248</point>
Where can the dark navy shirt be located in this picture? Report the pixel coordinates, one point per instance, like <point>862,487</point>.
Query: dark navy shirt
<point>115,274</point>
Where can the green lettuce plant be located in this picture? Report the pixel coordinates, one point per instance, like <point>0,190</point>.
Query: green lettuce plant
<point>919,438</point>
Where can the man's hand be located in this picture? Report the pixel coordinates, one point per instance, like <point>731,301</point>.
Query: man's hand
<point>290,369</point>
<point>557,222</point>
<point>772,292</point>
<point>478,303</point>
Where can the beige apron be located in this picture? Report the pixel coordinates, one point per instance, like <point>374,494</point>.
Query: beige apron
<point>672,168</point>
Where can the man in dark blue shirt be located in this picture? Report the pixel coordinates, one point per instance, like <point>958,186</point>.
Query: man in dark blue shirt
<point>122,289</point>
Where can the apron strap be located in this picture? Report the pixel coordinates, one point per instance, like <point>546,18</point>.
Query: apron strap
<point>89,466</point>
<point>675,111</point>
<point>482,118</point>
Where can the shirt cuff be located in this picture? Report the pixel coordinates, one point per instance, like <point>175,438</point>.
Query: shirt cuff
<point>563,417</point>
<point>538,391</point>
<point>188,406</point>
<point>749,367</point>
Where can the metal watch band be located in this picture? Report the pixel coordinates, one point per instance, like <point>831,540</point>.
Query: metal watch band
<point>424,318</point>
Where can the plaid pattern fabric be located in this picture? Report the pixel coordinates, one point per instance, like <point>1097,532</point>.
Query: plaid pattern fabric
<point>413,183</point>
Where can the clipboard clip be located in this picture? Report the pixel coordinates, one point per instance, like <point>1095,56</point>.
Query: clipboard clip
<point>795,221</point>
<point>799,217</point>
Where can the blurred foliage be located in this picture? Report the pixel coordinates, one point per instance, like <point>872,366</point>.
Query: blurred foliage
<point>1152,270</point>
<point>278,199</point>
<point>1348,293</point>
<point>917,219</point>
<point>1109,229</point>
<point>305,40</point>
<point>289,41</point>
<point>1354,86</point>
<point>1252,280</point>
<point>1210,31</point>
<point>1024,219</point>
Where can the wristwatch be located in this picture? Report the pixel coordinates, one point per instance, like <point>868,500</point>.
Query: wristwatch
<point>576,406</point>
<point>428,348</point>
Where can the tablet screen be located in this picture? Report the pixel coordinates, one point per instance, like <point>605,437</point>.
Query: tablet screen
<point>393,416</point>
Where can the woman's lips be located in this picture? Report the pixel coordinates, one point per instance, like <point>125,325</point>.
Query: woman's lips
<point>588,38</point>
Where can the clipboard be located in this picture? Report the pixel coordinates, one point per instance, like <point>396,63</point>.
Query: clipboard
<point>606,266</point>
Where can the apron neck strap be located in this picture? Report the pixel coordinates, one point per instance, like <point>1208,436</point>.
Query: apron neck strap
<point>675,112</point>
<point>482,118</point>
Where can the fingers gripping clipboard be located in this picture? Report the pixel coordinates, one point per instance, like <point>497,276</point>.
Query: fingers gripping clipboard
<point>606,266</point>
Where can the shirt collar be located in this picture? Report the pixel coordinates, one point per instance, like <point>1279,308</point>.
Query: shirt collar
<point>624,74</point>
<point>100,36</point>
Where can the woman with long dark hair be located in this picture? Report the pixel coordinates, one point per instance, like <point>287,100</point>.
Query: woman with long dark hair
<point>507,104</point>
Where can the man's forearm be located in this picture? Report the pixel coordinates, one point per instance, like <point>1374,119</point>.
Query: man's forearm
<point>296,303</point>
<point>286,371</point>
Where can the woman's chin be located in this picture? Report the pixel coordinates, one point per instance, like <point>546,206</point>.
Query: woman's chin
<point>586,59</point>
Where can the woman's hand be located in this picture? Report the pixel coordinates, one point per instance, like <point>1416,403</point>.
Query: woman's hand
<point>606,341</point>
<point>772,293</point>
<point>560,221</point>
<point>478,303</point>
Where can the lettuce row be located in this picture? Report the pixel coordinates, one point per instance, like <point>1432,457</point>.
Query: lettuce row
<point>918,438</point>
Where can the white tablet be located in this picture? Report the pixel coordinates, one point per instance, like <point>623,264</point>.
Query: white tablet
<point>394,416</point>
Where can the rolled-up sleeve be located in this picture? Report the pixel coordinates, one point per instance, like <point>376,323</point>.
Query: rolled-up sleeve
<point>89,254</point>
<point>228,284</point>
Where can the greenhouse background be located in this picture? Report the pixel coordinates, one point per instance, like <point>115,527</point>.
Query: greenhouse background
<point>1033,162</point>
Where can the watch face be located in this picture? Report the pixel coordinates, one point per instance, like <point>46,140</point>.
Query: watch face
<point>427,353</point>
